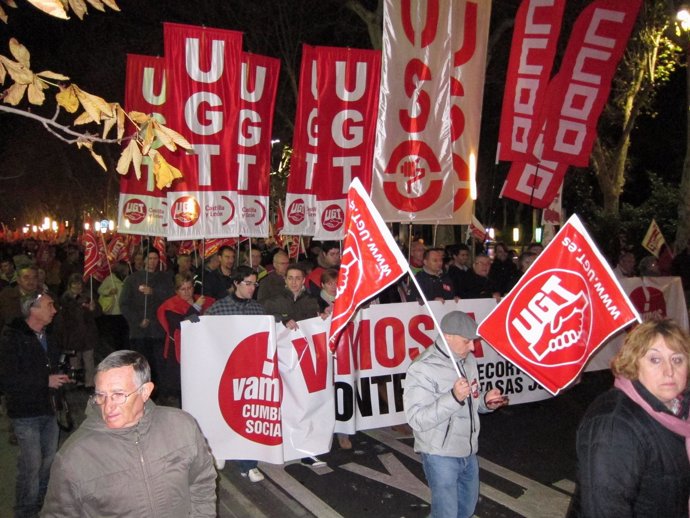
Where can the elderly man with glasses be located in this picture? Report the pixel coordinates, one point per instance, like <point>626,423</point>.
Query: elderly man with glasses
<point>131,457</point>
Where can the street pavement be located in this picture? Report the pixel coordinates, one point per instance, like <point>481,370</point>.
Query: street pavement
<point>527,468</point>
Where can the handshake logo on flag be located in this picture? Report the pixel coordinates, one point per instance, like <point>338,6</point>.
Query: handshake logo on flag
<point>549,320</point>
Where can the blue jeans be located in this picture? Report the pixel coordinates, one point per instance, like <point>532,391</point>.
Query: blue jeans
<point>454,484</point>
<point>246,465</point>
<point>37,438</point>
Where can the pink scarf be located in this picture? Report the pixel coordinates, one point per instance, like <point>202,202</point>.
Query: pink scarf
<point>668,421</point>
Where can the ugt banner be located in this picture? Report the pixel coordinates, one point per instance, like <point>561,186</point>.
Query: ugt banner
<point>203,71</point>
<point>565,306</point>
<point>142,206</point>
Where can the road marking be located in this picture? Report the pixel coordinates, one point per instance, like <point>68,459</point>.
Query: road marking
<point>538,500</point>
<point>239,497</point>
<point>299,492</point>
<point>400,477</point>
<point>566,485</point>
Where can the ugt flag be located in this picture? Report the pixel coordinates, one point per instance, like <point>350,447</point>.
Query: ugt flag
<point>370,260</point>
<point>565,306</point>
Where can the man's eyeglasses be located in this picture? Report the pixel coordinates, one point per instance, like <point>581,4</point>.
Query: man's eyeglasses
<point>250,283</point>
<point>116,398</point>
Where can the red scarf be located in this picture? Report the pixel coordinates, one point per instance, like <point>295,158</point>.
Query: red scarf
<point>178,305</point>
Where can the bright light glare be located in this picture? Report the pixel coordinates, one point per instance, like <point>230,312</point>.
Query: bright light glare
<point>683,18</point>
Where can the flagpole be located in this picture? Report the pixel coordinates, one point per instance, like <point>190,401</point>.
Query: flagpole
<point>436,324</point>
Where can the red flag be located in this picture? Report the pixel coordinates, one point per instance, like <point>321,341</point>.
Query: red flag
<point>115,246</point>
<point>371,260</point>
<point>186,247</point>
<point>159,244</point>
<point>565,306</point>
<point>213,245</point>
<point>278,227</point>
<point>95,261</point>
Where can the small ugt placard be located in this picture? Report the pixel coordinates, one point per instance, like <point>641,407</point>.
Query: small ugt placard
<point>562,309</point>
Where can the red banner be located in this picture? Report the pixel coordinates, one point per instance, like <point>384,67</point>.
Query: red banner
<point>535,40</point>
<point>203,67</point>
<point>565,306</point>
<point>413,156</point>
<point>468,41</point>
<point>578,94</point>
<point>348,99</point>
<point>142,207</point>
<point>371,259</point>
<point>258,87</point>
<point>300,210</point>
<point>95,261</point>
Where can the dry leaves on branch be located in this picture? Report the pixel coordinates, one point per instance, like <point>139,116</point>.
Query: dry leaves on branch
<point>149,133</point>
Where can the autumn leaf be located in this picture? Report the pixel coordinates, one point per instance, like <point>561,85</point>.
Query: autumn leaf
<point>138,117</point>
<point>35,94</point>
<point>98,158</point>
<point>18,72</point>
<point>79,8</point>
<point>47,74</point>
<point>67,98</point>
<point>3,15</point>
<point>10,3</point>
<point>20,53</point>
<point>171,138</point>
<point>148,138</point>
<point>14,94</point>
<point>120,122</point>
<point>111,4</point>
<point>3,73</point>
<point>51,7</point>
<point>126,158</point>
<point>84,118</point>
<point>92,104</point>
<point>163,172</point>
<point>96,4</point>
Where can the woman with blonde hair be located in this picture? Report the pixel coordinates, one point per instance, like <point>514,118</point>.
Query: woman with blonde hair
<point>633,443</point>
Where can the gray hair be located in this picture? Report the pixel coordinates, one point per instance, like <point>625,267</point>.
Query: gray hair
<point>125,358</point>
<point>30,301</point>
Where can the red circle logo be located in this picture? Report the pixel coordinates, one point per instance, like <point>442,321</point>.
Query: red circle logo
<point>250,392</point>
<point>332,217</point>
<point>295,212</point>
<point>134,211</point>
<point>549,320</point>
<point>185,211</point>
<point>650,302</point>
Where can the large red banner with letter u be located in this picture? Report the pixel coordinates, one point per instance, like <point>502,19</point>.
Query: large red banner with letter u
<point>348,99</point>
<point>142,206</point>
<point>203,67</point>
<point>565,306</point>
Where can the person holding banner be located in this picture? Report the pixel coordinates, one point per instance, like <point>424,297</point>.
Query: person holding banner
<point>241,302</point>
<point>443,411</point>
<point>634,441</point>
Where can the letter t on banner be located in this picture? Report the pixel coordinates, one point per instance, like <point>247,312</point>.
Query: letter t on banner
<point>560,312</point>
<point>371,260</point>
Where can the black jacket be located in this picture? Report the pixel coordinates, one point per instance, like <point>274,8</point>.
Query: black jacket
<point>629,465</point>
<point>24,370</point>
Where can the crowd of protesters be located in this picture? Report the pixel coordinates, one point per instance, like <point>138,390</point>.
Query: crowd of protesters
<point>140,304</point>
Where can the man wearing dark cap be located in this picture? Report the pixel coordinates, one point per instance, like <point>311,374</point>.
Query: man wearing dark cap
<point>443,411</point>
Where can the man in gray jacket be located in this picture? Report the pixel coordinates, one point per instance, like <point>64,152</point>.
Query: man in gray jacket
<point>443,411</point>
<point>131,457</point>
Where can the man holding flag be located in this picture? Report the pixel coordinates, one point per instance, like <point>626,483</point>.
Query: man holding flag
<point>443,410</point>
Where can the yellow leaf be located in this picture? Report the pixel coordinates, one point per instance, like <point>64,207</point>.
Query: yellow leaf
<point>92,104</point>
<point>172,135</point>
<point>109,122</point>
<point>136,159</point>
<point>20,53</point>
<point>53,75</point>
<point>3,15</point>
<point>3,73</point>
<point>18,72</point>
<point>111,4</point>
<point>164,172</point>
<point>96,4</point>
<point>51,7</point>
<point>79,8</point>
<point>125,159</point>
<point>148,138</point>
<point>84,118</point>
<point>67,99</point>
<point>138,117</point>
<point>120,122</point>
<point>14,94</point>
<point>98,158</point>
<point>35,94</point>
<point>10,3</point>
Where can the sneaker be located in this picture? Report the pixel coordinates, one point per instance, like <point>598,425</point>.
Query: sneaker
<point>254,475</point>
<point>220,464</point>
<point>312,462</point>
